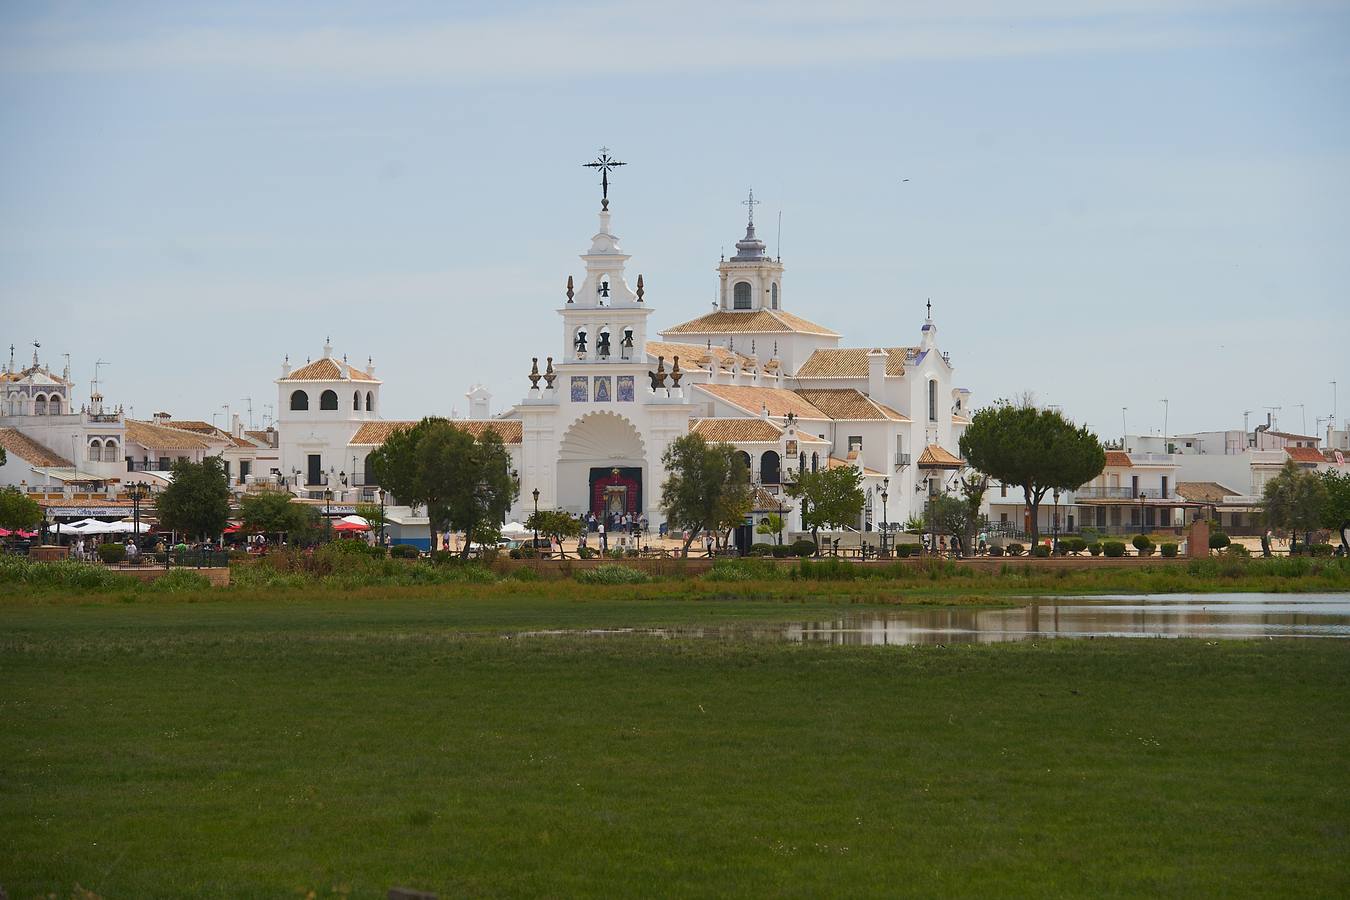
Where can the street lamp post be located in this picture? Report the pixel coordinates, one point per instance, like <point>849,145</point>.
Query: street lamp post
<point>1054,531</point>
<point>779,499</point>
<point>534,548</point>
<point>381,517</point>
<point>328,511</point>
<point>885,519</point>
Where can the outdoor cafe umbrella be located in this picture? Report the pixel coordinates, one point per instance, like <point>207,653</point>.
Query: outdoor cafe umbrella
<point>515,530</point>
<point>346,526</point>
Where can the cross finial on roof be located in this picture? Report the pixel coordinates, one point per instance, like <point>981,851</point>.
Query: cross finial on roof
<point>751,204</point>
<point>930,309</point>
<point>606,164</point>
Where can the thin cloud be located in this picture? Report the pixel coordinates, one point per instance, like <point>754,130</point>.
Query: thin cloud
<point>603,40</point>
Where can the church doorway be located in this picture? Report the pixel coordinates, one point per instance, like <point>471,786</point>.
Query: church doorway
<point>602,467</point>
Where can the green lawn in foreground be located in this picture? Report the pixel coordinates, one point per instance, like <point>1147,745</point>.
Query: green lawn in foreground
<point>239,749</point>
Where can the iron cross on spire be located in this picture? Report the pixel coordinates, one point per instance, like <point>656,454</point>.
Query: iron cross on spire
<point>751,204</point>
<point>605,163</point>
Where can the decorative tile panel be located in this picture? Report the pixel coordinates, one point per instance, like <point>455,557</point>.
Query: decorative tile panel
<point>580,388</point>
<point>625,388</point>
<point>602,389</point>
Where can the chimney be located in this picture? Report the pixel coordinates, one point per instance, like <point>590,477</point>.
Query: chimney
<point>286,366</point>
<point>327,348</point>
<point>161,417</point>
<point>370,366</point>
<point>876,374</point>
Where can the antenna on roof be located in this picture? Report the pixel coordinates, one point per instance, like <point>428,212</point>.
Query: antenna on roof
<point>249,401</point>
<point>93,385</point>
<point>779,242</point>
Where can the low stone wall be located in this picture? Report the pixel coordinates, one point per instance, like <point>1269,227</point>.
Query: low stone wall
<point>695,566</point>
<point>219,576</point>
<point>47,553</point>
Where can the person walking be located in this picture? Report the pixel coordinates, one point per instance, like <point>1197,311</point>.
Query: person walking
<point>604,545</point>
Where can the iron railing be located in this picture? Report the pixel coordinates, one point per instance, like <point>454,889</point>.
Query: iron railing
<point>901,460</point>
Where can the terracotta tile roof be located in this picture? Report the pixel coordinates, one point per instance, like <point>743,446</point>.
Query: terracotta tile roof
<point>16,443</point>
<point>1295,437</point>
<point>759,321</point>
<point>959,420</point>
<point>766,502</point>
<point>1305,454</point>
<point>848,403</point>
<point>743,431</point>
<point>373,434</point>
<point>262,437</point>
<point>206,429</point>
<point>935,457</point>
<point>851,362</point>
<point>1118,458</point>
<point>159,437</point>
<point>695,356</point>
<point>328,369</point>
<point>779,401</point>
<point>835,462</point>
<point>1204,491</point>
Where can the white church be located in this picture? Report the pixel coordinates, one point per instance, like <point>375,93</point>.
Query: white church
<point>608,399</point>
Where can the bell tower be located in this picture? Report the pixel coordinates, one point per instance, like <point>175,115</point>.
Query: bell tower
<point>751,280</point>
<point>604,320</point>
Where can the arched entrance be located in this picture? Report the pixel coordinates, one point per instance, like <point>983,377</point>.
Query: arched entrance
<point>602,466</point>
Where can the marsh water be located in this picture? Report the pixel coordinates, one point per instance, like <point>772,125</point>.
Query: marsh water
<point>1210,616</point>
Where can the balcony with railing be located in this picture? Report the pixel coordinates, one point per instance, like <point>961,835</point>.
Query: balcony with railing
<point>1124,494</point>
<point>901,460</point>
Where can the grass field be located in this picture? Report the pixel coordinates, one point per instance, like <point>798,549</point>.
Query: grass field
<point>153,747</point>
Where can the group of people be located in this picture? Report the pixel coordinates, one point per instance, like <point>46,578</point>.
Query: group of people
<point>622,529</point>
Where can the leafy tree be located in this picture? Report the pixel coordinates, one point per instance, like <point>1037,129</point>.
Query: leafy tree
<point>272,512</point>
<point>556,523</point>
<point>708,486</point>
<point>465,484</point>
<point>1037,450</point>
<point>831,498</point>
<point>3,458</point>
<point>1336,513</point>
<point>18,511</point>
<point>772,524</point>
<point>197,502</point>
<point>373,515</point>
<point>1295,500</point>
<point>973,487</point>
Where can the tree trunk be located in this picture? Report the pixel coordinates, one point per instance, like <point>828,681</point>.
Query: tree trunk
<point>693,533</point>
<point>1033,533</point>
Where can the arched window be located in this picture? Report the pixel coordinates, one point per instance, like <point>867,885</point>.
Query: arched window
<point>328,400</point>
<point>54,405</point>
<point>40,405</point>
<point>815,462</point>
<point>932,401</point>
<point>370,402</point>
<point>745,458</point>
<point>368,471</point>
<point>801,463</point>
<point>741,295</point>
<point>299,400</point>
<point>773,295</point>
<point>110,451</point>
<point>769,465</point>
<point>95,450</point>
<point>356,401</point>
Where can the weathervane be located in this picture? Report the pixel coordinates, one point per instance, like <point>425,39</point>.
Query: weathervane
<point>751,204</point>
<point>605,164</point>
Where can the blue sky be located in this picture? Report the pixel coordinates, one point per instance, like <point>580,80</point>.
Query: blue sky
<point>1109,202</point>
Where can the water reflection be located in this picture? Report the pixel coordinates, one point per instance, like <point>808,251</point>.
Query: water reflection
<point>1211,616</point>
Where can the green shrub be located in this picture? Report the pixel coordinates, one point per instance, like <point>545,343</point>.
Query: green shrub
<point>1040,551</point>
<point>1321,549</point>
<point>1141,543</point>
<point>515,553</point>
<point>60,573</point>
<point>523,573</point>
<point>1218,540</point>
<point>237,555</point>
<point>904,551</point>
<point>612,574</point>
<point>1074,545</point>
<point>747,569</point>
<point>995,550</point>
<point>1095,548</point>
<point>179,581</point>
<point>804,547</point>
<point>781,551</point>
<point>1237,550</point>
<point>404,551</point>
<point>586,552</point>
<point>112,553</point>
<point>761,549</point>
<point>1113,549</point>
<point>831,568</point>
<point>1169,550</point>
<point>1015,549</point>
